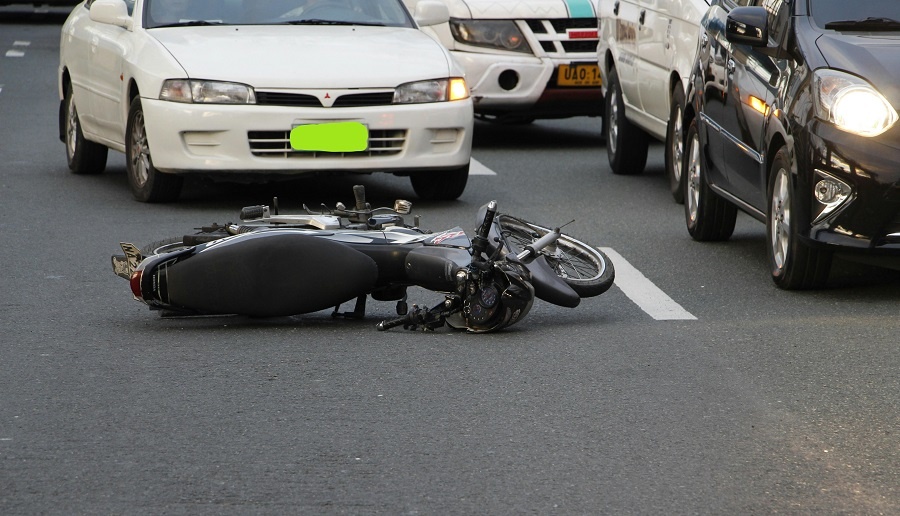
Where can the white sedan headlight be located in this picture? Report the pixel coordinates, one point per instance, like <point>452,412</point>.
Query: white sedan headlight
<point>436,90</point>
<point>852,104</point>
<point>206,92</point>
<point>500,34</point>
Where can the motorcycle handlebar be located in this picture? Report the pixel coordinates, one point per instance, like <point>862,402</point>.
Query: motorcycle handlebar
<point>532,250</point>
<point>480,241</point>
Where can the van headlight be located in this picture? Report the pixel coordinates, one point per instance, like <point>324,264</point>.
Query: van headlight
<point>499,34</point>
<point>436,90</point>
<point>851,103</point>
<point>206,92</point>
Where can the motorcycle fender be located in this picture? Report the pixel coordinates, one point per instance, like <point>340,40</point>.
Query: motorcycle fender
<point>270,274</point>
<point>549,286</point>
<point>434,268</point>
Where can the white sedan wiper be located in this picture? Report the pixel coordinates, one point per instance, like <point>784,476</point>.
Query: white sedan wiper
<point>870,23</point>
<point>317,21</point>
<point>189,23</point>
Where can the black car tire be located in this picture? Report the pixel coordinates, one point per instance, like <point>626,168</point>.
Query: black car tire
<point>147,183</point>
<point>84,156</point>
<point>794,265</point>
<point>708,216</point>
<point>626,144</point>
<point>675,145</point>
<point>444,185</point>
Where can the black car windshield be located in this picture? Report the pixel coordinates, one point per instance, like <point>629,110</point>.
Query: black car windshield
<point>867,15</point>
<point>194,13</point>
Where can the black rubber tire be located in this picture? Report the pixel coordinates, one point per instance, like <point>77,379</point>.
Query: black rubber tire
<point>583,267</point>
<point>675,144</point>
<point>84,157</point>
<point>147,183</point>
<point>443,185</point>
<point>626,144</point>
<point>708,216</point>
<point>794,265</point>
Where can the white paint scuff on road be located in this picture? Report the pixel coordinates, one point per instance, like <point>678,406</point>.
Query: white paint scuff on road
<point>643,292</point>
<point>477,169</point>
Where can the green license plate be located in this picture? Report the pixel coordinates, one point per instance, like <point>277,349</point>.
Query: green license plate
<point>330,137</point>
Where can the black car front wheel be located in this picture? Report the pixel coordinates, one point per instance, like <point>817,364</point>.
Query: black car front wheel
<point>794,265</point>
<point>708,216</point>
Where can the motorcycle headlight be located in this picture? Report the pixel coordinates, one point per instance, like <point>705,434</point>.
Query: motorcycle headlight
<point>499,34</point>
<point>852,104</point>
<point>206,92</point>
<point>436,90</point>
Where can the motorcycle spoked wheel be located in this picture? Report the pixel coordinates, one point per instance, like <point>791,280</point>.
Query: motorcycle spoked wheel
<point>583,267</point>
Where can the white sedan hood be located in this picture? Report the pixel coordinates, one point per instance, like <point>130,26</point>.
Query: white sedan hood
<point>307,57</point>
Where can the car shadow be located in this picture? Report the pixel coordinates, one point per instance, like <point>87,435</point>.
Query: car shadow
<point>539,134</point>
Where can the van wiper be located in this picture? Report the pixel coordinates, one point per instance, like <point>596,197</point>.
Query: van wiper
<point>870,23</point>
<point>189,23</point>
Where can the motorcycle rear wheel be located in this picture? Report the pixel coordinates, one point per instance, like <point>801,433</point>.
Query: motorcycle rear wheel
<point>164,246</point>
<point>583,267</point>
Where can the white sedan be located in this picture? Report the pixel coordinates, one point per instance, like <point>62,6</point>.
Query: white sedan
<point>253,90</point>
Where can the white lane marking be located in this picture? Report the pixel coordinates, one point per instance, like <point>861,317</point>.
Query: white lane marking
<point>14,53</point>
<point>643,292</point>
<point>21,43</point>
<point>476,168</point>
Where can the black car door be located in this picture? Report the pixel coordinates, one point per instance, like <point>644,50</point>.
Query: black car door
<point>753,78</point>
<point>714,54</point>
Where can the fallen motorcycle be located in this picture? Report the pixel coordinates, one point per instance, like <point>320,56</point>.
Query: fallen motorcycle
<point>273,264</point>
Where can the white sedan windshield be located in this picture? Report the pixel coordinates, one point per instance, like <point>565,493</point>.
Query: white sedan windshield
<point>169,13</point>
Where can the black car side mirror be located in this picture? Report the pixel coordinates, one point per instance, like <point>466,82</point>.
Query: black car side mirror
<point>748,26</point>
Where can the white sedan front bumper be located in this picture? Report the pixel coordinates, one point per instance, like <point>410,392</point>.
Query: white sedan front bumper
<point>205,138</point>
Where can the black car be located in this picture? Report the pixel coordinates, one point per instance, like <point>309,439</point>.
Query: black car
<point>793,119</point>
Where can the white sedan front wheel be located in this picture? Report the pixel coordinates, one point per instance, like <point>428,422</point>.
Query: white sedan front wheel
<point>147,183</point>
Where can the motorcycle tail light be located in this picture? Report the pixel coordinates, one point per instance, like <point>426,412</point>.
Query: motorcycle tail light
<point>136,284</point>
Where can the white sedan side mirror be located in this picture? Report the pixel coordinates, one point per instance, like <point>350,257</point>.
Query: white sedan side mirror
<point>112,12</point>
<point>431,12</point>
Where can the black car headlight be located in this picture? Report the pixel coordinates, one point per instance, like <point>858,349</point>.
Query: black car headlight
<point>499,34</point>
<point>206,92</point>
<point>851,103</point>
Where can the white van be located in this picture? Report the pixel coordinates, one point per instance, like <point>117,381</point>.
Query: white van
<point>646,51</point>
<point>525,59</point>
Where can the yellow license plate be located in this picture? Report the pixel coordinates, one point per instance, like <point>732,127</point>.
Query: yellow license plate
<point>578,75</point>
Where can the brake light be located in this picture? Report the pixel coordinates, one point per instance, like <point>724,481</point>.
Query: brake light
<point>136,284</point>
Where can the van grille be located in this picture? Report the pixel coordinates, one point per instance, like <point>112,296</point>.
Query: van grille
<point>554,38</point>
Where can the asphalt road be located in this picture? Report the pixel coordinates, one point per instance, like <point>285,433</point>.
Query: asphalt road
<point>761,402</point>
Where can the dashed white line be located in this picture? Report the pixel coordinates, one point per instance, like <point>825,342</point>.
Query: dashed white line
<point>643,292</point>
<point>15,52</point>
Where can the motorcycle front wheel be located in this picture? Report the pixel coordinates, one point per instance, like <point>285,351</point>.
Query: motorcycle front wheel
<point>583,267</point>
